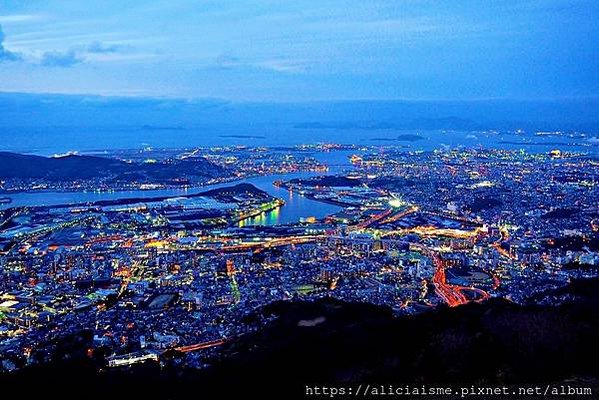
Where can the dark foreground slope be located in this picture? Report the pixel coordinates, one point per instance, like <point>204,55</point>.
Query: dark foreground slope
<point>330,342</point>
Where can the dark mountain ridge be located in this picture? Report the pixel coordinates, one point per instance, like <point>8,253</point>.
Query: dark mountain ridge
<point>79,167</point>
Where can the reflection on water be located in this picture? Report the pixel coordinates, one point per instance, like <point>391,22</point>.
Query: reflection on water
<point>296,206</point>
<point>265,218</point>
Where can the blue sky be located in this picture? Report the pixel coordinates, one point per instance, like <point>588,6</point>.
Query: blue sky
<point>302,50</point>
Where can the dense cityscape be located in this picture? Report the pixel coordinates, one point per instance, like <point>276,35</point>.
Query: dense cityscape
<point>151,275</point>
<point>299,199</point>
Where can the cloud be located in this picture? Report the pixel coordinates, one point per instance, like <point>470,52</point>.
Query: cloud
<point>7,55</point>
<point>17,18</point>
<point>79,54</point>
<point>226,61</point>
<point>63,59</point>
<point>290,66</point>
<point>98,47</point>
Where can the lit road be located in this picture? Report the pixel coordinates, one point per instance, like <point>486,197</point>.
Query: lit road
<point>434,231</point>
<point>400,215</point>
<point>372,220</point>
<point>276,242</point>
<point>453,295</point>
<point>201,346</point>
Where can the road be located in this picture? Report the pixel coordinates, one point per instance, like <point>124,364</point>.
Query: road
<point>453,295</point>
<point>201,346</point>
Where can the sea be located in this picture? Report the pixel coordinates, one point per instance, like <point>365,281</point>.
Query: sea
<point>51,141</point>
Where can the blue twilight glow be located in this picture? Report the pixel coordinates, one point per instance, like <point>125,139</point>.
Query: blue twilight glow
<point>303,49</point>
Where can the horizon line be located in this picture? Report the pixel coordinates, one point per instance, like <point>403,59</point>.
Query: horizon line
<point>330,100</point>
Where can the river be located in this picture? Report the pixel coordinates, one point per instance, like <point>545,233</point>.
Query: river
<point>295,208</point>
